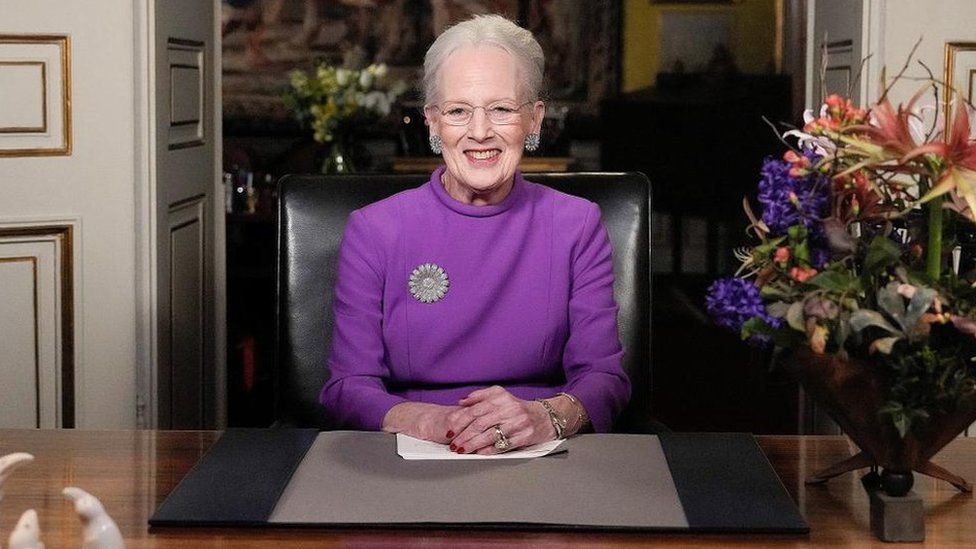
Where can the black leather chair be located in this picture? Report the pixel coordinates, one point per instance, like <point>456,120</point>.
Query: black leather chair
<point>312,214</point>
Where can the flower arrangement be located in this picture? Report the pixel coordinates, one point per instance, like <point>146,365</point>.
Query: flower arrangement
<point>332,100</point>
<point>862,240</point>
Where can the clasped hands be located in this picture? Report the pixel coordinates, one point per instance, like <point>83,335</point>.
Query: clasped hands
<point>469,427</point>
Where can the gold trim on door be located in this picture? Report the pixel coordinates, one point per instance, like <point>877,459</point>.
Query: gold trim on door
<point>65,234</point>
<point>952,51</point>
<point>64,44</point>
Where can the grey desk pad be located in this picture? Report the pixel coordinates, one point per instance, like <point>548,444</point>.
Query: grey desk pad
<point>602,481</point>
<point>718,482</point>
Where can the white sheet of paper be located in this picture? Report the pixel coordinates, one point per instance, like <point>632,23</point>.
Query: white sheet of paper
<point>413,448</point>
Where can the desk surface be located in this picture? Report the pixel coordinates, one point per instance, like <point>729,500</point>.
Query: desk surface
<point>132,471</point>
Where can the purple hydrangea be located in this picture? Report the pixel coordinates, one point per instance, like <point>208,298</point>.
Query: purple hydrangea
<point>733,301</point>
<point>788,200</point>
<point>819,251</point>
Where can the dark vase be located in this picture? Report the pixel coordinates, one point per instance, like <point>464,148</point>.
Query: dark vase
<point>338,158</point>
<point>851,392</point>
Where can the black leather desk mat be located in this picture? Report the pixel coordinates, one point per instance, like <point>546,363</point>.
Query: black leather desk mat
<point>724,483</point>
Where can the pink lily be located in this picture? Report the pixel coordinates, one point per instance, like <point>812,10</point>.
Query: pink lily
<point>959,155</point>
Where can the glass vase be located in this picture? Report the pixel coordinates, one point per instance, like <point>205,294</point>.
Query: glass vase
<point>338,158</point>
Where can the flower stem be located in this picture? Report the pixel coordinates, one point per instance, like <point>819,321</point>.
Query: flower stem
<point>933,258</point>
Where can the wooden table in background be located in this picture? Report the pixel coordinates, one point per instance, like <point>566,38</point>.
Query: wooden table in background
<point>132,471</point>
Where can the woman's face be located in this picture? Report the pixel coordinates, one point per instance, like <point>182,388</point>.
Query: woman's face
<point>482,156</point>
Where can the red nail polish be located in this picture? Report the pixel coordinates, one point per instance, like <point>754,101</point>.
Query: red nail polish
<point>450,434</point>
<point>453,447</point>
<point>461,450</point>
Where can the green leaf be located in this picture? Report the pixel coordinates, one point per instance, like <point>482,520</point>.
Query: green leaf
<point>772,292</point>
<point>893,303</point>
<point>778,308</point>
<point>881,253</point>
<point>794,316</point>
<point>863,318</point>
<point>801,252</point>
<point>902,423</point>
<point>755,326</point>
<point>836,281</point>
<point>768,247</point>
<point>843,330</point>
<point>781,337</point>
<point>919,304</point>
<point>797,232</point>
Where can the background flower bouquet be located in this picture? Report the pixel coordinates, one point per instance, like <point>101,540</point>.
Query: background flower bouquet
<point>334,101</point>
<point>864,271</point>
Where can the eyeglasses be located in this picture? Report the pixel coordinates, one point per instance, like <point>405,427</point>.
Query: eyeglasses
<point>456,113</point>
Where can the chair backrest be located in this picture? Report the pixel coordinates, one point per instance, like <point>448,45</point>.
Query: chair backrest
<point>312,214</point>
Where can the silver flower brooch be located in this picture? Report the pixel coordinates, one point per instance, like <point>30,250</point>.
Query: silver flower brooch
<point>428,283</point>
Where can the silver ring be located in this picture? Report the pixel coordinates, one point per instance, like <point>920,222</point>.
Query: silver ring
<point>501,441</point>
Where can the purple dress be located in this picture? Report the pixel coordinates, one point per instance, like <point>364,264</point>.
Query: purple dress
<point>529,304</point>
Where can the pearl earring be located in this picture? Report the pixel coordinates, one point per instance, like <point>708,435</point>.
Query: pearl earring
<point>532,142</point>
<point>436,144</point>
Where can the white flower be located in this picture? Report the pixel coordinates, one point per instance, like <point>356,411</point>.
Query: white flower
<point>397,89</point>
<point>382,103</point>
<point>299,80</point>
<point>342,76</point>
<point>823,146</point>
<point>368,101</point>
<point>365,80</point>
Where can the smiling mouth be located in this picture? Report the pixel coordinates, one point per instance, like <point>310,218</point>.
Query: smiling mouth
<point>483,155</point>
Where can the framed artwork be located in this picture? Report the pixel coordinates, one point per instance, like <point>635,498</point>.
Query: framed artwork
<point>689,39</point>
<point>264,40</point>
<point>960,73</point>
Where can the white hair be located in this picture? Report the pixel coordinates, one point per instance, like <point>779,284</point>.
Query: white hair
<point>494,30</point>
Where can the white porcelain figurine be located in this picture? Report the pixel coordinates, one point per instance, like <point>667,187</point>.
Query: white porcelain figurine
<point>9,463</point>
<point>27,533</point>
<point>100,530</point>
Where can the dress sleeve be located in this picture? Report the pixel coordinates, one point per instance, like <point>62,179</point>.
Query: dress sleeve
<point>593,353</point>
<point>355,396</point>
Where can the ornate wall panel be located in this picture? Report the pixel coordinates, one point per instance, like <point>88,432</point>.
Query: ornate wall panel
<point>36,323</point>
<point>35,95</point>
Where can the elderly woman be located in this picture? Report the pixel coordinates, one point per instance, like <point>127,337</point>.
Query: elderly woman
<point>477,310</point>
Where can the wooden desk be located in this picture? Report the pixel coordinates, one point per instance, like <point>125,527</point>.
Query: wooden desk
<point>132,471</point>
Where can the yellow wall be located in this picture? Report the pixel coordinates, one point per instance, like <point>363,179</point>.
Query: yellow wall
<point>754,37</point>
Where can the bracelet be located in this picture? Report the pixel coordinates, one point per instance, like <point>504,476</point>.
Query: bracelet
<point>581,417</point>
<point>557,423</point>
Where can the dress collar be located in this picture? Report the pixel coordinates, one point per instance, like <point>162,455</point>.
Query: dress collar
<point>470,209</point>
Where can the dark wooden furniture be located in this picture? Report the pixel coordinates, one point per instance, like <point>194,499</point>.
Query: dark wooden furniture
<point>132,471</point>
<point>701,140</point>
